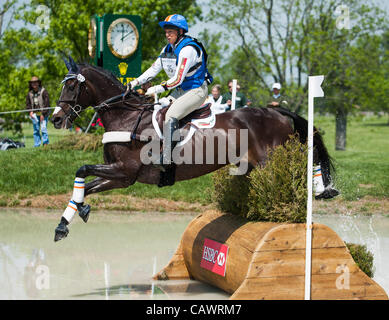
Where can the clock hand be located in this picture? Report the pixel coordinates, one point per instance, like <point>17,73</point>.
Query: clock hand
<point>126,35</point>
<point>122,31</point>
<point>122,38</point>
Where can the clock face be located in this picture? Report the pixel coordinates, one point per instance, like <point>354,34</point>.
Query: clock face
<point>122,38</point>
<point>92,38</point>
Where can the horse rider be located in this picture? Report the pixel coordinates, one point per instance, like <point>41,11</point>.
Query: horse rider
<point>184,60</point>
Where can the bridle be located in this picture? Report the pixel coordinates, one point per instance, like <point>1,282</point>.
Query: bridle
<point>75,109</point>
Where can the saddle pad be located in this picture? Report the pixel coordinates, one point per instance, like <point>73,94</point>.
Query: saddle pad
<point>116,136</point>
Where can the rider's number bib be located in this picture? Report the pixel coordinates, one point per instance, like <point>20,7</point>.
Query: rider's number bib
<point>168,60</point>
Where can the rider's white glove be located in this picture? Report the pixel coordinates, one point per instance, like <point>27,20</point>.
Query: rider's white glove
<point>133,84</point>
<point>164,102</point>
<point>155,89</point>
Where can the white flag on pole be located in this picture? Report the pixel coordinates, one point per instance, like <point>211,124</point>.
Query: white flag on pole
<point>314,86</point>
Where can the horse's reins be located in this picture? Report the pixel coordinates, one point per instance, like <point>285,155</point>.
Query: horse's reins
<point>103,106</point>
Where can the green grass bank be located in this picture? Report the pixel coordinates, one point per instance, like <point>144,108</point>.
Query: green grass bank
<point>362,170</point>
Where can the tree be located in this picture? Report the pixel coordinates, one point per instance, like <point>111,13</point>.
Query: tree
<point>38,51</point>
<point>342,53</point>
<point>265,31</point>
<point>287,40</point>
<point>385,69</point>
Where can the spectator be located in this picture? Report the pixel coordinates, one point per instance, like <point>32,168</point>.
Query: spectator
<point>248,101</point>
<point>277,100</point>
<point>215,98</point>
<point>240,100</point>
<point>38,102</point>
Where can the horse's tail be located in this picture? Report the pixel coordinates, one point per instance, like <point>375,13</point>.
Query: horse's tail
<point>301,127</point>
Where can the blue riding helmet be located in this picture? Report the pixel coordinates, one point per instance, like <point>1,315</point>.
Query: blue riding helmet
<point>175,20</point>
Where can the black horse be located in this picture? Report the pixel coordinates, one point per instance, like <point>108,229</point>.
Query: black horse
<point>260,128</point>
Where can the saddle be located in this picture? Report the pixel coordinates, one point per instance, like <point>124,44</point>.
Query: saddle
<point>202,113</point>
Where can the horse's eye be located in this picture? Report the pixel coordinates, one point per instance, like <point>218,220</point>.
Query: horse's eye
<point>71,85</point>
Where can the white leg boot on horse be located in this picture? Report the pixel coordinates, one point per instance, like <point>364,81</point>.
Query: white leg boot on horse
<point>323,189</point>
<point>75,204</point>
<point>318,185</point>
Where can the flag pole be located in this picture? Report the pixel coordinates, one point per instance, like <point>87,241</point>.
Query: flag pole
<point>90,123</point>
<point>314,90</point>
<point>233,94</point>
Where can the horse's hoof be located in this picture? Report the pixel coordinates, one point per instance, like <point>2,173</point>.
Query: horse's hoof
<point>60,232</point>
<point>83,211</point>
<point>328,193</point>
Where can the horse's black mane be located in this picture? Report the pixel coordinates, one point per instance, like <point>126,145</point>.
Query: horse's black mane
<point>105,73</point>
<point>111,76</point>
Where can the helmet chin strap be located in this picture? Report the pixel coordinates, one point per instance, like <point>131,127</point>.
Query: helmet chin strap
<point>179,35</point>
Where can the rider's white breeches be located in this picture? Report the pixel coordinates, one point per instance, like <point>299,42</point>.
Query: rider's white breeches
<point>184,102</point>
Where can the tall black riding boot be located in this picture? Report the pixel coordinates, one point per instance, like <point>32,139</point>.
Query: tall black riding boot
<point>168,143</point>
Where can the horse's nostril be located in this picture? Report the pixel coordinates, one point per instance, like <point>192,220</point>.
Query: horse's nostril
<point>56,121</point>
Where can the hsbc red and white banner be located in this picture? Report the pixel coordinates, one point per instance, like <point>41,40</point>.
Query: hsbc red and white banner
<point>214,257</point>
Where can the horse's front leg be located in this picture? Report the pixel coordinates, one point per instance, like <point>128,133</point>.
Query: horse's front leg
<point>109,176</point>
<point>100,184</point>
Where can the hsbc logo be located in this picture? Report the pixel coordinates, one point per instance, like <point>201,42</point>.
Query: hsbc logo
<point>221,259</point>
<point>214,256</point>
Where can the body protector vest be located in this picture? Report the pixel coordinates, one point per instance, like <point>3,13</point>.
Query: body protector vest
<point>197,74</point>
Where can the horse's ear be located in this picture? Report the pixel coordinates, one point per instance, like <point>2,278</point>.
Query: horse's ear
<point>73,65</point>
<point>67,63</point>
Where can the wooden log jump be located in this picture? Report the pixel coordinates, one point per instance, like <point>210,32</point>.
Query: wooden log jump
<point>266,260</point>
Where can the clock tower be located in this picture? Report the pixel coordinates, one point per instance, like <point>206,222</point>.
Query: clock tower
<point>114,43</point>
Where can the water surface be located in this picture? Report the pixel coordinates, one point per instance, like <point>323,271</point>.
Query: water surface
<point>115,254</point>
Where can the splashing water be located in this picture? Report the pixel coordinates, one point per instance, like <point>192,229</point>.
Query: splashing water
<point>372,231</point>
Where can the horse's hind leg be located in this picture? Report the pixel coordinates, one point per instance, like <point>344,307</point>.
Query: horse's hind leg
<point>322,181</point>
